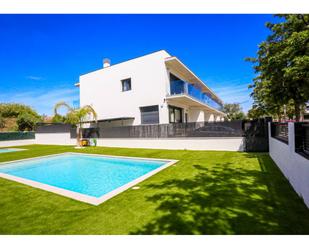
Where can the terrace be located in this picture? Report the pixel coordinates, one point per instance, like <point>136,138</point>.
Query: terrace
<point>179,87</point>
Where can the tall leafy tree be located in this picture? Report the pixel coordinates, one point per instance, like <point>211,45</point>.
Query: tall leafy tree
<point>282,66</point>
<point>233,111</point>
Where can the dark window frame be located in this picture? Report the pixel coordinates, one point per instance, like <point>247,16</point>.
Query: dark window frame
<point>174,108</point>
<point>144,112</point>
<point>123,84</point>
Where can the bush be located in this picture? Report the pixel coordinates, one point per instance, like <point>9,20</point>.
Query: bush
<point>11,110</point>
<point>58,119</point>
<point>26,121</point>
<point>2,121</point>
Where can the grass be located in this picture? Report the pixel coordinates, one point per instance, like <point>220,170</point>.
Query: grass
<point>204,193</point>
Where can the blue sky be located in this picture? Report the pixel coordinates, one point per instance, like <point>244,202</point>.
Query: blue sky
<point>42,56</point>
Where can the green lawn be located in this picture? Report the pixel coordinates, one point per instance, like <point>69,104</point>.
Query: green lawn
<point>204,193</point>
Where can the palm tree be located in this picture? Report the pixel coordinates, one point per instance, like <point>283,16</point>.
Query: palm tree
<point>77,116</point>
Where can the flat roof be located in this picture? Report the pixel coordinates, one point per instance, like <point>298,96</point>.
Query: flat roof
<point>125,61</point>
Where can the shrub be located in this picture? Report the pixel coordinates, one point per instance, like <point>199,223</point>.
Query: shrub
<point>27,121</point>
<point>2,121</point>
<point>58,119</point>
<point>9,110</point>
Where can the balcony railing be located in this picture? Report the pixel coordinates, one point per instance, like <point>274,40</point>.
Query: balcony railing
<point>182,87</point>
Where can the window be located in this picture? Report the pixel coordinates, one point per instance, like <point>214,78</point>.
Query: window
<point>150,114</point>
<point>175,114</point>
<point>126,85</point>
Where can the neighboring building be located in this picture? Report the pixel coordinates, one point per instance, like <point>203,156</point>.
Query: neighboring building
<point>152,89</point>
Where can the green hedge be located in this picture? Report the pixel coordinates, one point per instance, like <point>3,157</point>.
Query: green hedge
<point>18,135</point>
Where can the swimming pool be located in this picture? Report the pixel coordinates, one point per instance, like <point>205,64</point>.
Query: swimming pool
<point>84,177</point>
<point>5,150</point>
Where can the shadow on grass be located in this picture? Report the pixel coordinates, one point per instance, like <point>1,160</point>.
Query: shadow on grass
<point>224,199</point>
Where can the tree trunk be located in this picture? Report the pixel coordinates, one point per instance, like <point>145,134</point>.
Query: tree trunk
<point>78,135</point>
<point>297,111</point>
<point>279,116</point>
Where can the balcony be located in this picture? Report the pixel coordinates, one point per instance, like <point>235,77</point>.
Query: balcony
<point>180,87</point>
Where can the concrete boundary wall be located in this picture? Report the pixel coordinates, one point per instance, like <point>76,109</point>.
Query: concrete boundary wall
<point>217,143</point>
<point>55,138</point>
<point>205,143</point>
<point>10,143</point>
<point>294,166</point>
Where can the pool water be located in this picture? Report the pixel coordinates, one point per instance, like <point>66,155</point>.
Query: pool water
<point>5,150</point>
<point>91,175</point>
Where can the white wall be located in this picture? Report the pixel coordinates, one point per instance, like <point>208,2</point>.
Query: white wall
<point>195,115</point>
<point>294,166</point>
<point>17,142</point>
<point>219,144</point>
<point>54,138</point>
<point>150,85</point>
<point>103,90</point>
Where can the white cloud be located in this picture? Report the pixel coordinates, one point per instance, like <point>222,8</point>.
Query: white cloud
<point>43,101</point>
<point>36,78</point>
<point>235,92</point>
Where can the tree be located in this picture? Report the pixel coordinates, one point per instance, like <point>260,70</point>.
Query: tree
<point>18,116</point>
<point>77,117</point>
<point>27,121</point>
<point>2,121</point>
<point>12,110</point>
<point>233,111</point>
<point>57,118</point>
<point>256,112</point>
<point>282,66</point>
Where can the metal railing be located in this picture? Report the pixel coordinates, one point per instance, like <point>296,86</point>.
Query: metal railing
<point>182,87</point>
<point>280,131</point>
<point>302,139</point>
<point>254,133</point>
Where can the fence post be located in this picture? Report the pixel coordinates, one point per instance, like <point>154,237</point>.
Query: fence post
<point>269,134</point>
<point>291,132</point>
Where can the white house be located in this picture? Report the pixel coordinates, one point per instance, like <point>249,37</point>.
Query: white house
<point>156,88</point>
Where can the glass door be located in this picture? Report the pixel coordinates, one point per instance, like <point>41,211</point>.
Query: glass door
<point>175,114</point>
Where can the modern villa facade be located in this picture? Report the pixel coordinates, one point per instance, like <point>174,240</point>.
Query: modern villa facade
<point>153,89</point>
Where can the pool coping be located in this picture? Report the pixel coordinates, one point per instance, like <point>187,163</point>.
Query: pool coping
<point>12,148</point>
<point>83,197</point>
